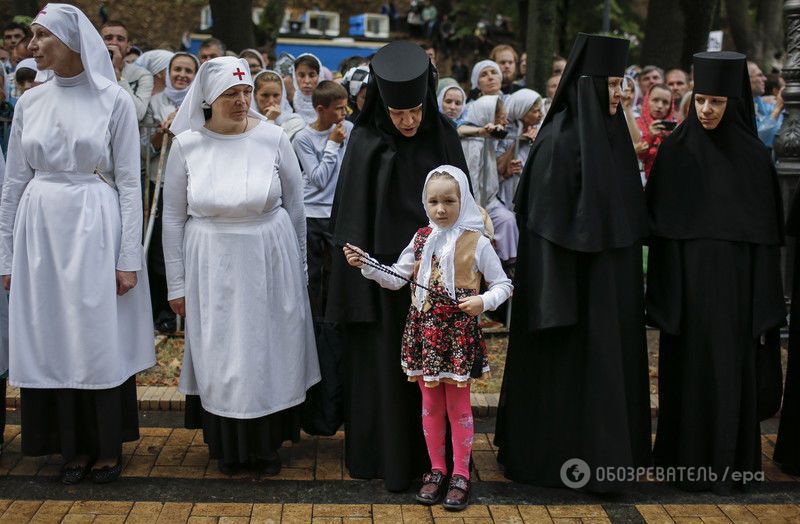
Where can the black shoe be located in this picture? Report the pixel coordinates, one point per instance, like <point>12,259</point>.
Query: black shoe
<point>432,488</point>
<point>269,467</point>
<point>74,474</point>
<point>107,474</point>
<point>457,497</point>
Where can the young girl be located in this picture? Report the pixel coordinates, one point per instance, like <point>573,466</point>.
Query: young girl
<point>656,123</point>
<point>443,348</point>
<point>269,99</point>
<point>305,76</point>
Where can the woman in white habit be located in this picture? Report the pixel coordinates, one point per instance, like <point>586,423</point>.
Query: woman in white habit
<point>234,247</point>
<point>71,253</point>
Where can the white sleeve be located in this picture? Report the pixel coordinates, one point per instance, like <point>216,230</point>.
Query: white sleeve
<point>17,175</point>
<point>292,187</point>
<point>141,96</point>
<point>127,176</point>
<point>404,266</point>
<point>488,264</point>
<point>173,221</point>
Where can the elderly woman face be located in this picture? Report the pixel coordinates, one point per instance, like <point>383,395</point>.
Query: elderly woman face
<point>182,71</point>
<point>489,81</point>
<point>710,110</point>
<point>406,121</point>
<point>614,93</point>
<point>47,49</point>
<point>534,115</point>
<point>232,105</point>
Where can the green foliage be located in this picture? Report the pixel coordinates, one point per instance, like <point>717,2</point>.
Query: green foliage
<point>587,16</point>
<point>20,19</point>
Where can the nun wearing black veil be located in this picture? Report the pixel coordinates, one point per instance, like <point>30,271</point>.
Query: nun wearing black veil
<point>714,281</point>
<point>399,137</point>
<point>576,375</point>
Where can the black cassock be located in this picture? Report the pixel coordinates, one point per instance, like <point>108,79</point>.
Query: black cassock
<point>576,375</point>
<point>714,284</point>
<point>378,207</point>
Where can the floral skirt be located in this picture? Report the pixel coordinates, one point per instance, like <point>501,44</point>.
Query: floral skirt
<point>444,344</point>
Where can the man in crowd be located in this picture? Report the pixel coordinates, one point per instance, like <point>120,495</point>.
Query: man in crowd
<point>650,76</point>
<point>559,63</point>
<point>678,82</point>
<point>135,80</point>
<point>506,57</point>
<point>209,49</point>
<point>430,50</point>
<point>13,34</point>
<point>769,117</point>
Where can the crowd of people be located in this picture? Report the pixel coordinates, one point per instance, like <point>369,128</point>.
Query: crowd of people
<point>278,182</point>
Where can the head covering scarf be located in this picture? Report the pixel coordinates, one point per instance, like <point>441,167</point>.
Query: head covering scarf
<point>447,81</point>
<point>174,95</point>
<point>70,25</point>
<point>303,105</point>
<point>155,61</point>
<point>214,78</point>
<point>28,63</point>
<point>519,103</point>
<point>442,241</point>
<point>581,187</point>
<point>482,112</point>
<point>721,183</point>
<point>443,93</point>
<point>480,66</point>
<point>647,117</point>
<point>255,53</point>
<point>286,107</point>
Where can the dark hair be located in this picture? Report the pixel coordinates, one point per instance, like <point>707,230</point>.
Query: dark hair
<point>350,62</point>
<point>427,45</point>
<point>24,74</point>
<point>208,42</point>
<point>309,61</point>
<point>16,25</point>
<point>328,92</point>
<point>772,83</point>
<point>115,23</point>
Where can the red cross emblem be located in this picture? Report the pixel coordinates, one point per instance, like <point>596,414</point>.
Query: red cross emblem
<point>239,73</point>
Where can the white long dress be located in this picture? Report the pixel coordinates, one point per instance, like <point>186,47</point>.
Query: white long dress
<point>3,302</point>
<point>64,230</point>
<point>234,247</point>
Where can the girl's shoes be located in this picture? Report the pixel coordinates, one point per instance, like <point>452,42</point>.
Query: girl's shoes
<point>457,497</point>
<point>432,488</point>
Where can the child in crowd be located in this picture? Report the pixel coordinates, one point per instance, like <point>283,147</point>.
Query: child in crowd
<point>443,348</point>
<point>269,98</point>
<point>305,78</point>
<point>25,76</point>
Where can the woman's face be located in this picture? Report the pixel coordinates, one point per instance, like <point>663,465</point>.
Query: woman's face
<point>489,81</point>
<point>614,93</point>
<point>47,50</point>
<point>406,121</point>
<point>659,100</point>
<point>268,95</point>
<point>307,79</point>
<point>534,115</point>
<point>500,114</point>
<point>710,110</point>
<point>453,103</point>
<point>254,63</point>
<point>182,71</point>
<point>232,105</point>
<point>443,202</point>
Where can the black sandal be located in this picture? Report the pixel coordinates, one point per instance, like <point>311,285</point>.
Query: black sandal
<point>107,474</point>
<point>74,474</point>
<point>432,488</point>
<point>457,497</point>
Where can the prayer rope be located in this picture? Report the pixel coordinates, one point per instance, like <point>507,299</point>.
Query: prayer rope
<point>371,262</point>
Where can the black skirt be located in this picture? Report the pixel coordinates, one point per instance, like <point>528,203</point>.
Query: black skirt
<point>241,441</point>
<point>74,422</point>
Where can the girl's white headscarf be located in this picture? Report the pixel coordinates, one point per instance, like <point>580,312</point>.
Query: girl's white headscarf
<point>303,105</point>
<point>286,107</point>
<point>214,78</point>
<point>443,92</point>
<point>442,242</point>
<point>176,96</point>
<point>155,61</point>
<point>70,25</point>
<point>519,103</point>
<point>480,66</point>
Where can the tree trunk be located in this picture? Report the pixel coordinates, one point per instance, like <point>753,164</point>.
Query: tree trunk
<point>768,34</point>
<point>700,13</point>
<point>233,23</point>
<point>740,24</point>
<point>25,8</point>
<point>522,12</point>
<point>662,34</point>
<point>540,42</point>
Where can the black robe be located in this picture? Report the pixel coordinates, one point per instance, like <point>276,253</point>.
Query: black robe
<point>576,375</point>
<point>378,207</point>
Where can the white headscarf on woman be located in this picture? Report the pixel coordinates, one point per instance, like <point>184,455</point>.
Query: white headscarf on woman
<point>70,25</point>
<point>27,63</point>
<point>286,107</point>
<point>443,92</point>
<point>255,53</point>
<point>519,103</point>
<point>155,61</point>
<point>174,95</point>
<point>303,105</point>
<point>480,66</point>
<point>214,78</point>
<point>483,150</point>
<point>442,241</point>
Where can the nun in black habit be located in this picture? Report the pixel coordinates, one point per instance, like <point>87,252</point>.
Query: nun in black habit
<point>576,375</point>
<point>377,207</point>
<point>714,282</point>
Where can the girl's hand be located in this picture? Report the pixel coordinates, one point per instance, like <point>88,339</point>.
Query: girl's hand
<point>472,306</point>
<point>126,280</point>
<point>273,112</point>
<point>656,128</point>
<point>641,147</point>
<point>515,168</point>
<point>178,306</point>
<point>354,255</point>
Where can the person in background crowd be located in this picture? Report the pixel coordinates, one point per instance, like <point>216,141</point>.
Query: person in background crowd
<point>355,82</point>
<point>156,62</point>
<point>506,57</point>
<point>656,122</point>
<point>254,60</point>
<point>305,77</point>
<point>769,117</point>
<point>559,63</point>
<point>649,76</point>
<point>451,100</point>
<point>630,90</point>
<point>270,100</point>
<point>678,82</point>
<point>21,51</point>
<point>135,80</point>
<point>773,86</point>
<point>264,51</point>
<point>5,59</point>
<point>133,53</point>
<point>525,113</point>
<point>552,86</point>
<point>210,48</point>
<point>486,79</point>
<point>25,75</point>
<point>523,68</point>
<point>3,323</point>
<point>430,50</point>
<point>13,34</point>
<point>683,109</point>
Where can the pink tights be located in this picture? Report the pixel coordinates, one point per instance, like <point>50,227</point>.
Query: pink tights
<point>451,401</point>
